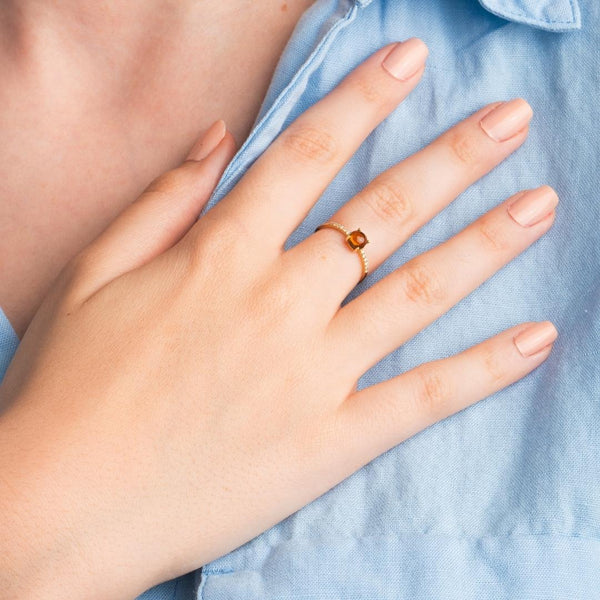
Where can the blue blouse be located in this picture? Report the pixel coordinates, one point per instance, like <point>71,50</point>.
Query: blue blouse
<point>502,500</point>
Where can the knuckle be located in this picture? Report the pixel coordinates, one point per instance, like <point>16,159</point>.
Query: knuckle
<point>433,391</point>
<point>214,244</point>
<point>465,147</point>
<point>370,90</point>
<point>494,364</point>
<point>310,144</point>
<point>492,236</point>
<point>390,203</point>
<point>376,89</point>
<point>422,285</point>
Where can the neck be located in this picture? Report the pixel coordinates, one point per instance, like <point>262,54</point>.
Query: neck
<point>115,16</point>
<point>114,29</point>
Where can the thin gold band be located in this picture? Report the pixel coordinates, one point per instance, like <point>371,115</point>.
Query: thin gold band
<point>356,241</point>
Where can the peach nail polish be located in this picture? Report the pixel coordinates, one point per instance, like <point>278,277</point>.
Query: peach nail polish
<point>507,119</point>
<point>209,141</point>
<point>406,58</point>
<point>532,206</point>
<point>535,338</point>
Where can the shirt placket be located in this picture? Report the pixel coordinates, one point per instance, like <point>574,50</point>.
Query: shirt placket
<point>273,120</point>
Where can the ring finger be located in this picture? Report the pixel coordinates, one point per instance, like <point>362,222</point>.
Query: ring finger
<point>404,302</point>
<point>403,198</point>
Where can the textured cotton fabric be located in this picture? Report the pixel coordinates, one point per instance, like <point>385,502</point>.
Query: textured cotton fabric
<point>8,343</point>
<point>502,500</point>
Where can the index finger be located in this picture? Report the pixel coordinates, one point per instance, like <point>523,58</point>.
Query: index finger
<point>276,193</point>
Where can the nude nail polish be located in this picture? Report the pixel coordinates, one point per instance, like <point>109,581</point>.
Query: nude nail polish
<point>535,338</point>
<point>532,206</point>
<point>209,141</point>
<point>405,58</point>
<point>506,120</point>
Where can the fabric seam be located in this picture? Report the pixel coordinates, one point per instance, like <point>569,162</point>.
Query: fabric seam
<point>528,19</point>
<point>223,571</point>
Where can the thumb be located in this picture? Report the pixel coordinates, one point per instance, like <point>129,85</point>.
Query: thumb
<point>208,142</point>
<point>161,216</point>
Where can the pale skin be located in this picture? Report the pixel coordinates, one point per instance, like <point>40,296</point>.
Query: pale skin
<point>98,98</point>
<point>155,318</point>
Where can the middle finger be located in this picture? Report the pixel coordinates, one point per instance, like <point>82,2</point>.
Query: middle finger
<point>403,198</point>
<point>410,298</point>
<point>277,191</point>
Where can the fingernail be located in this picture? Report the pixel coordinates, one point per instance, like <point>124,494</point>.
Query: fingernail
<point>209,141</point>
<point>532,206</point>
<point>507,119</point>
<point>406,58</point>
<point>535,338</point>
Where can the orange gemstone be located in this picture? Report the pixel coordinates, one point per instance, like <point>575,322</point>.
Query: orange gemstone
<point>357,239</point>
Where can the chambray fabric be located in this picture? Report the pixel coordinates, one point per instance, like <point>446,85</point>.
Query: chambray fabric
<point>8,343</point>
<point>502,500</point>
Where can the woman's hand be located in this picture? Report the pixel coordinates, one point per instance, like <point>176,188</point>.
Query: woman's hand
<point>188,383</point>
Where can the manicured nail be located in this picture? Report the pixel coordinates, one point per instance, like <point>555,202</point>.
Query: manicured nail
<point>532,206</point>
<point>507,119</point>
<point>209,141</point>
<point>535,338</point>
<point>406,58</point>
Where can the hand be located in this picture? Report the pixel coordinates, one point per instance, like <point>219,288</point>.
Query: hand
<point>188,383</point>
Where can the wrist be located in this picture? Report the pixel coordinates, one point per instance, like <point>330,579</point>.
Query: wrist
<point>34,549</point>
<point>49,545</point>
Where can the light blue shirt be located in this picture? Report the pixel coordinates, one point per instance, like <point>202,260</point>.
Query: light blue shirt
<point>502,500</point>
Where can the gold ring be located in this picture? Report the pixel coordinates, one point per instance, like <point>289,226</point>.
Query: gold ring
<point>356,241</point>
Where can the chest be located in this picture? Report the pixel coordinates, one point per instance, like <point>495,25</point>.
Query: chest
<point>82,136</point>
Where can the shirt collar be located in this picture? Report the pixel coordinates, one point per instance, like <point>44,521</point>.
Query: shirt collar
<point>551,15</point>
